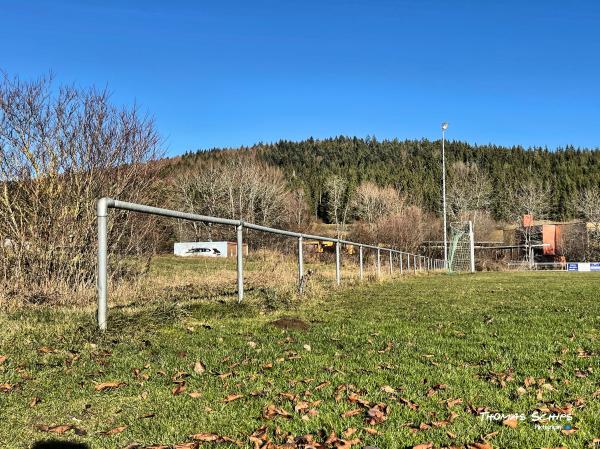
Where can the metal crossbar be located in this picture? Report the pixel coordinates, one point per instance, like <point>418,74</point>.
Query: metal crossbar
<point>104,204</point>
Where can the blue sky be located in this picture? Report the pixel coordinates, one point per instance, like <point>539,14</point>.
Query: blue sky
<point>235,73</point>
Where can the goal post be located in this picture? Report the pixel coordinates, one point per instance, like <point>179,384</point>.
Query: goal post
<point>461,257</point>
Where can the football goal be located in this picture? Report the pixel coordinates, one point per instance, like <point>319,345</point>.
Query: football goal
<point>461,254</point>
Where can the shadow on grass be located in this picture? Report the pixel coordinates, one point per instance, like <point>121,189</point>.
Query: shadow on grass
<point>58,444</point>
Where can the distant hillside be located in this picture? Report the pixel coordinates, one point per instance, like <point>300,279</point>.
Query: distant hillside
<point>413,166</point>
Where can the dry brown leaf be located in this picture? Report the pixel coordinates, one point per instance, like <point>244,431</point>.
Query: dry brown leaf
<point>353,412</point>
<point>349,432</point>
<point>180,388</point>
<point>271,411</point>
<point>2,359</point>
<point>301,405</point>
<point>109,385</point>
<point>480,446</point>
<point>378,414</point>
<point>410,404</point>
<point>206,437</point>
<point>487,436</point>
<point>115,430</point>
<point>388,389</point>
<point>199,367</point>
<point>195,394</point>
<point>324,384</point>
<point>511,422</point>
<point>452,402</point>
<point>35,401</point>
<point>233,397</point>
<point>423,446</point>
<point>54,429</point>
<point>45,350</point>
<point>6,388</point>
<point>191,445</point>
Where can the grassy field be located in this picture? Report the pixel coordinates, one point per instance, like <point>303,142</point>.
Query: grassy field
<point>395,364</point>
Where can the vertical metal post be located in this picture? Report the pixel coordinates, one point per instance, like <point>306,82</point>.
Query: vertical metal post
<point>401,268</point>
<point>415,264</point>
<point>300,266</point>
<point>378,262</point>
<point>102,282</point>
<point>420,263</point>
<point>472,241</point>
<point>408,262</point>
<point>360,261</point>
<point>391,265</point>
<point>337,263</point>
<point>240,262</point>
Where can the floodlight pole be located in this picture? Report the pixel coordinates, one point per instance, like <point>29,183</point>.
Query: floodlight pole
<point>444,128</point>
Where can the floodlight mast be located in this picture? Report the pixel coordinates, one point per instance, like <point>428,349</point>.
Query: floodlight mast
<point>444,128</point>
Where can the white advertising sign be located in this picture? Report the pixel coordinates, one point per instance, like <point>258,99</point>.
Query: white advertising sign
<point>204,249</point>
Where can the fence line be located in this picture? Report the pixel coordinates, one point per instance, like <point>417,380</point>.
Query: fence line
<point>104,204</point>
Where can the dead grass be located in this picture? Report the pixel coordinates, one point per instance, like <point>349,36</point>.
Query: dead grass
<point>270,280</point>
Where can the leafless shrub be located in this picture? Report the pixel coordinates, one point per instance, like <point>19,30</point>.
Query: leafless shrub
<point>405,230</point>
<point>60,150</point>
<point>370,202</point>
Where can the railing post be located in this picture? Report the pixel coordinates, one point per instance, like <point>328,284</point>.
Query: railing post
<point>378,262</point>
<point>408,261</point>
<point>401,268</point>
<point>415,263</point>
<point>102,281</point>
<point>300,266</point>
<point>360,262</point>
<point>472,246</point>
<point>337,262</point>
<point>240,262</point>
<point>391,264</point>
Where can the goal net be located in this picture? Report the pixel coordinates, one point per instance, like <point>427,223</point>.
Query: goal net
<point>461,255</point>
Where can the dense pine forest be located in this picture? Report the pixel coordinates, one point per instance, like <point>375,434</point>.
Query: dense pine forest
<point>413,167</point>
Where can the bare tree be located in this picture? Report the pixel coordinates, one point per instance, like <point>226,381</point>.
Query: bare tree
<point>238,188</point>
<point>530,198</point>
<point>338,205</point>
<point>469,191</point>
<point>60,150</point>
<point>588,206</point>
<point>298,212</point>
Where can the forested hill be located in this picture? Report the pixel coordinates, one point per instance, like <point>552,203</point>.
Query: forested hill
<point>413,166</point>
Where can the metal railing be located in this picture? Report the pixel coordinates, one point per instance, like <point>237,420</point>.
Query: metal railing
<point>414,262</point>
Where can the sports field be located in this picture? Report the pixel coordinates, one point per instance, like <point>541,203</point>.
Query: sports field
<point>411,362</point>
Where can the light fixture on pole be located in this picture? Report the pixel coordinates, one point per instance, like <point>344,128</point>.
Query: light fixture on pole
<point>444,128</point>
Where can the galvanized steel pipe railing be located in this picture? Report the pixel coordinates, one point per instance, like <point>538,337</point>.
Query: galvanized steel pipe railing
<point>104,204</point>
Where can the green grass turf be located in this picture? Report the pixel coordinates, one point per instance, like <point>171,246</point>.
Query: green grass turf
<point>480,335</point>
